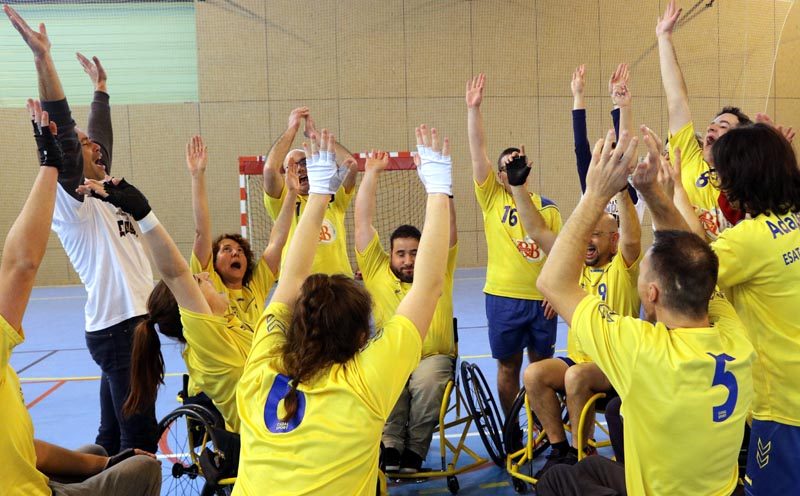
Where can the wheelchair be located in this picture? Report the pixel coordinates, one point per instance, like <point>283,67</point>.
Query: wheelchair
<point>463,418</point>
<point>523,424</point>
<point>197,454</point>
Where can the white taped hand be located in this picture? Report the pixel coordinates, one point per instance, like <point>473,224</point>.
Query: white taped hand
<point>324,177</point>
<point>435,170</point>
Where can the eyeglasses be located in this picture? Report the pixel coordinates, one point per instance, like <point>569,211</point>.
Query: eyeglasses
<point>598,234</point>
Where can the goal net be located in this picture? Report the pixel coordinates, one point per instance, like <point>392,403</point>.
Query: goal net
<point>400,200</point>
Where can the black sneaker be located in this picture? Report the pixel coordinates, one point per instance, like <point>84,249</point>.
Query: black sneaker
<point>556,458</point>
<point>410,463</point>
<point>391,459</point>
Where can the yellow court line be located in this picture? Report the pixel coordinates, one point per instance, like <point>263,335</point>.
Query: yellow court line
<point>493,485</point>
<point>80,378</point>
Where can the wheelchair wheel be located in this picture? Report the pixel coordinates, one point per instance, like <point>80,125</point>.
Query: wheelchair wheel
<point>183,434</point>
<point>515,429</point>
<point>483,409</point>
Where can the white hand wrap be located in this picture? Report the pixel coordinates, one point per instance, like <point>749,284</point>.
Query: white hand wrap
<point>435,170</point>
<point>324,178</point>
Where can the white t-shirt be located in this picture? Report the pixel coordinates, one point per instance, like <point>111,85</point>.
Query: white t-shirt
<point>102,242</point>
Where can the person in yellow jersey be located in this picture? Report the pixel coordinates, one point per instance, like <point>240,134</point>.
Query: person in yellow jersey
<point>228,260</point>
<point>29,466</point>
<point>317,387</point>
<point>388,278</point>
<point>516,312</point>
<point>712,207</point>
<point>610,271</point>
<point>759,265</point>
<point>331,255</point>
<point>684,374</point>
<point>217,340</point>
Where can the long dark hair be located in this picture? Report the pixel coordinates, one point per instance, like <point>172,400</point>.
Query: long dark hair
<point>147,362</point>
<point>757,170</point>
<point>248,253</point>
<point>329,325</point>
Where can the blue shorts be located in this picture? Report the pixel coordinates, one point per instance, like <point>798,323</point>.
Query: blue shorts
<point>773,459</point>
<point>516,324</point>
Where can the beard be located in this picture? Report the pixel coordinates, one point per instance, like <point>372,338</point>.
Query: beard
<point>403,276</point>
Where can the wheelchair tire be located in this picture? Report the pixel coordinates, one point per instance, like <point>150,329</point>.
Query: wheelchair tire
<point>517,423</point>
<point>484,411</point>
<point>182,436</point>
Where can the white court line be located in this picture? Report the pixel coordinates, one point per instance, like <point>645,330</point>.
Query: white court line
<point>53,298</point>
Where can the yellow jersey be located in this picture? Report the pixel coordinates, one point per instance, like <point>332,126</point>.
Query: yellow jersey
<point>692,387</point>
<point>331,445</point>
<point>18,474</point>
<point>759,264</point>
<point>247,304</point>
<point>514,259</point>
<point>331,257</point>
<point>215,354</point>
<point>387,291</point>
<point>699,181</point>
<point>616,285</point>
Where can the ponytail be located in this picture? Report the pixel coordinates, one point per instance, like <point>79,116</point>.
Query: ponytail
<point>147,368</point>
<point>290,402</point>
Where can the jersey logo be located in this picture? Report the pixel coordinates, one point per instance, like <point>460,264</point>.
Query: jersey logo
<point>274,324</point>
<point>529,249</point>
<point>279,389</point>
<point>606,312</point>
<point>125,227</point>
<point>327,233</point>
<point>762,454</point>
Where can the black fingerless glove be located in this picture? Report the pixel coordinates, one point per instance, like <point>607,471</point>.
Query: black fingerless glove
<point>517,171</point>
<point>126,197</point>
<point>50,153</point>
<point>119,457</point>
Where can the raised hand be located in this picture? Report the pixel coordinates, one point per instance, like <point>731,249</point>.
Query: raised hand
<point>435,164</point>
<point>666,23</point>
<point>296,116</point>
<point>377,161</point>
<point>648,175</point>
<point>95,71</point>
<point>310,127</point>
<point>517,167</point>
<point>324,177</point>
<point>610,167</point>
<point>618,86</point>
<point>578,81</point>
<point>787,132</point>
<point>293,179</point>
<point>475,91</point>
<point>196,156</point>
<point>119,193</point>
<point>44,132</point>
<point>38,41</point>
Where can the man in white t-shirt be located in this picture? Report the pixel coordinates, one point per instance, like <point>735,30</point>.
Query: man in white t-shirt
<point>103,245</point>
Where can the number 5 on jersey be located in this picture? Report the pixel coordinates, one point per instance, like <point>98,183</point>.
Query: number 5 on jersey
<point>725,378</point>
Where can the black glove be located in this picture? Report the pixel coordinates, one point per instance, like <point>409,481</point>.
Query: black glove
<point>127,198</point>
<point>50,153</point>
<point>121,456</point>
<point>517,171</point>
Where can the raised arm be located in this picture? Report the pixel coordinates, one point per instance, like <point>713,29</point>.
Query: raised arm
<point>168,259</point>
<point>583,152</point>
<point>196,161</point>
<point>99,126</point>
<point>26,241</point>
<point>436,174</point>
<point>622,114</point>
<point>273,178</point>
<point>323,180</point>
<point>365,198</point>
<point>535,226</point>
<point>608,173</point>
<point>283,223</point>
<point>50,88</point>
<point>671,75</point>
<point>481,167</point>
<point>630,230</point>
<point>650,182</point>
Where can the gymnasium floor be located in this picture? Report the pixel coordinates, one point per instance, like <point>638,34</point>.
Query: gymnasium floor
<point>59,378</point>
